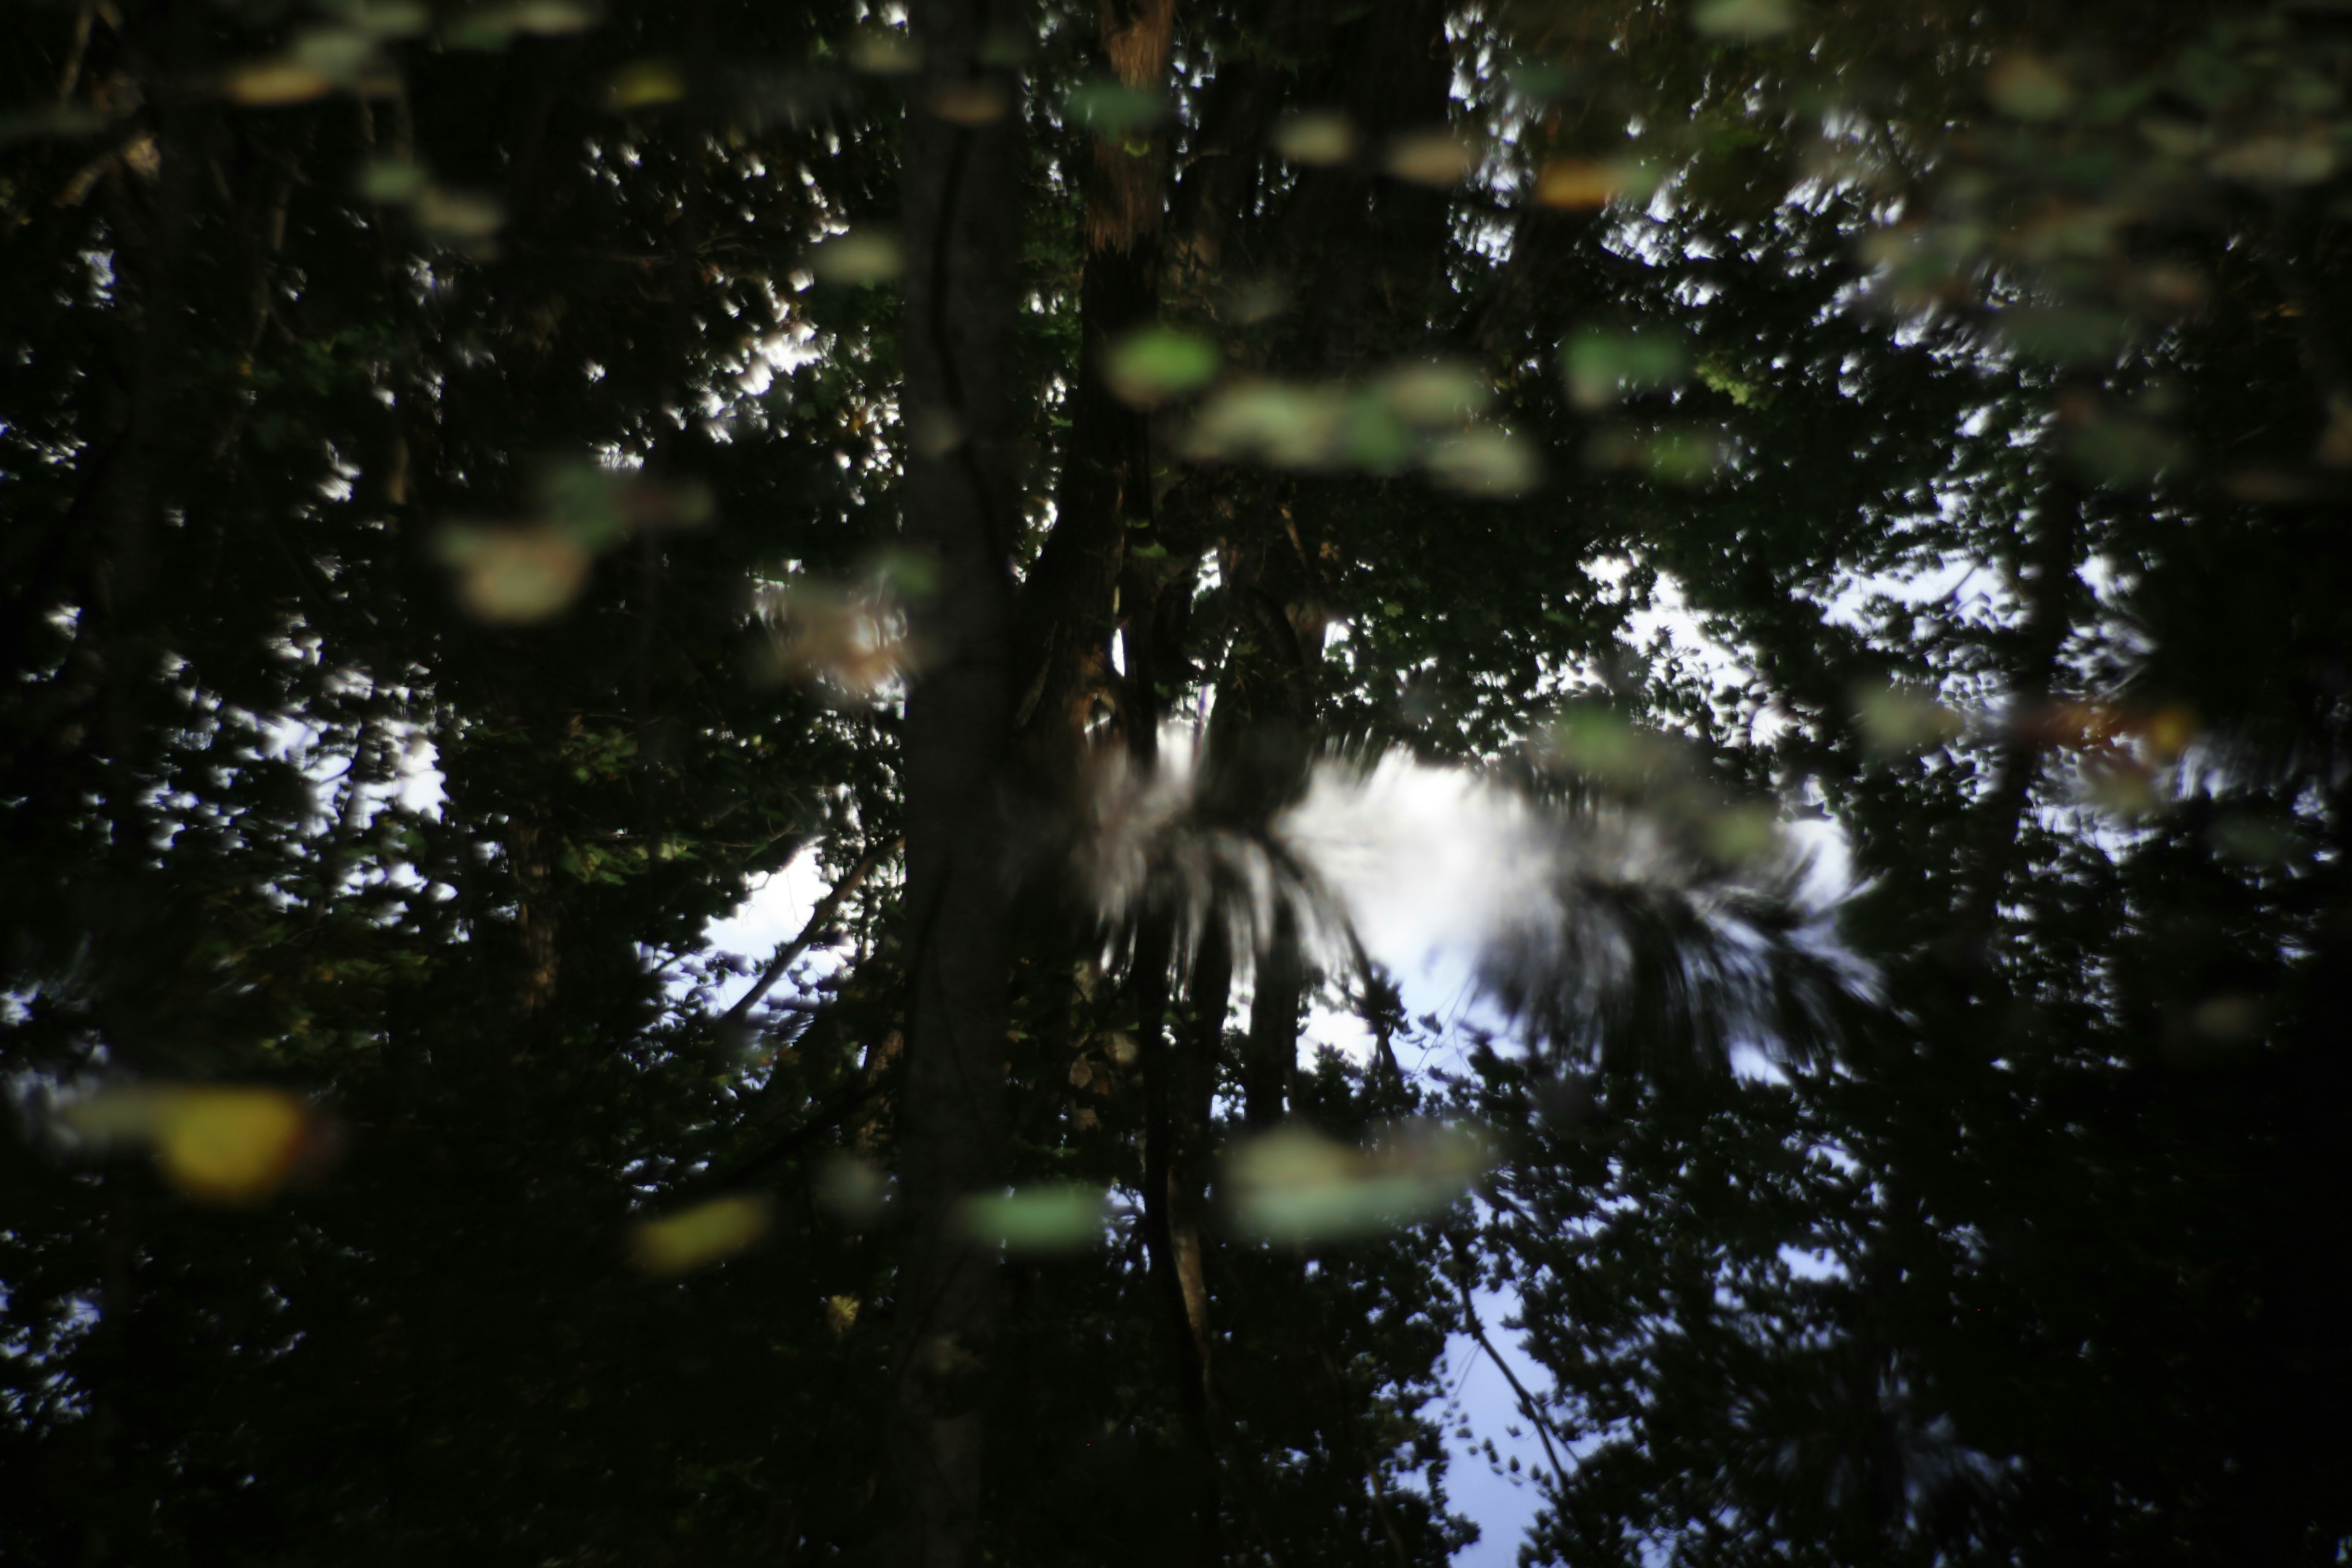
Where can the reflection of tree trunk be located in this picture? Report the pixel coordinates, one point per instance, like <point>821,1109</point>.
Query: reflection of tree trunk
<point>960,496</point>
<point>1272,1051</point>
<point>539,925</point>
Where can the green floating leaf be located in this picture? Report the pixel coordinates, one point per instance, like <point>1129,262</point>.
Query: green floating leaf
<point>859,258</point>
<point>392,180</point>
<point>1148,367</point>
<point>1486,462</point>
<point>695,1238</point>
<point>1605,365</point>
<point>1294,1185</point>
<point>1052,1217</point>
<point>1674,454</point>
<point>1604,746</point>
<point>1743,21</point>
<point>2063,334</point>
<point>1895,721</point>
<point>2125,451</point>
<point>1288,426</point>
<point>1114,110</point>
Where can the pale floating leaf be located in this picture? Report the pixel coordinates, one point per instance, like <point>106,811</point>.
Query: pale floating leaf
<point>1317,138</point>
<point>970,104</point>
<point>267,84</point>
<point>1148,367</point>
<point>514,576</point>
<point>1675,454</point>
<point>2027,87</point>
<point>885,52</point>
<point>2275,161</point>
<point>1050,1217</point>
<point>1604,746</point>
<point>859,258</point>
<point>641,84</point>
<point>1487,461</point>
<point>459,217</point>
<point>1441,393</point>
<point>1294,1185</point>
<point>391,18</point>
<point>1741,835</point>
<point>1895,721</point>
<point>694,1238</point>
<point>1285,423</point>
<point>854,1191</point>
<point>1437,158</point>
<point>1743,21</point>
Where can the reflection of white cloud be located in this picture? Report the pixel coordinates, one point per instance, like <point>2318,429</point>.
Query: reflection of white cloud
<point>1429,860</point>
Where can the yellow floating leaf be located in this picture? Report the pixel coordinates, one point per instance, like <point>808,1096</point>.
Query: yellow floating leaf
<point>269,83</point>
<point>2029,88</point>
<point>218,1143</point>
<point>1437,158</point>
<point>1579,185</point>
<point>644,83</point>
<point>1487,462</point>
<point>693,1237</point>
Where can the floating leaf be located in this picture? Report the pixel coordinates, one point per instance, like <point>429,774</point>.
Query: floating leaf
<point>1148,367</point>
<point>1114,110</point>
<point>218,1143</point>
<point>2124,451</point>
<point>1604,746</point>
<point>1445,391</point>
<point>1674,454</point>
<point>2028,86</point>
<point>1579,185</point>
<point>1894,720</point>
<point>644,83</point>
<point>852,1190</point>
<point>1050,1217</point>
<point>514,575</point>
<point>2275,161</point>
<point>693,1237</point>
<point>1289,425</point>
<point>1743,21</point>
<point>1605,365</point>
<point>1294,1184</point>
<point>2063,334</point>
<point>859,258</point>
<point>392,180</point>
<point>886,52</point>
<point>1437,158</point>
<point>1317,138</point>
<point>391,18</point>
<point>1486,462</point>
<point>457,216</point>
<point>267,84</point>
<point>970,104</point>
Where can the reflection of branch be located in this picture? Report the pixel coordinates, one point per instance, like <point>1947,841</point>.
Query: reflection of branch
<point>1528,1405</point>
<point>819,919</point>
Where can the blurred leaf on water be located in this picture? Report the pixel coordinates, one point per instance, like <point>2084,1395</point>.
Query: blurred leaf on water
<point>219,1143</point>
<point>1052,1217</point>
<point>693,1237</point>
<point>1147,367</point>
<point>1317,138</point>
<point>861,258</point>
<point>1294,1184</point>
